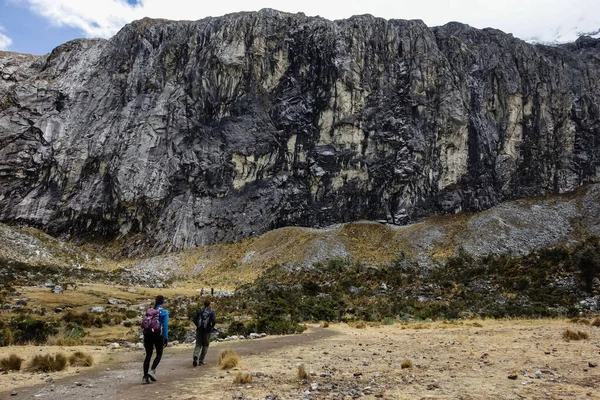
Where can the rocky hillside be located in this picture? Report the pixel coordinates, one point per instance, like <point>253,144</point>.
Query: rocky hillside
<point>173,135</point>
<point>516,228</point>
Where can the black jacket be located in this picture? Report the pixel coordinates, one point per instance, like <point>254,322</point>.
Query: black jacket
<point>212,318</point>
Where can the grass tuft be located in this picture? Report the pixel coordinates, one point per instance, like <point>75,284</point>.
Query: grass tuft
<point>242,378</point>
<point>47,363</point>
<point>406,364</point>
<point>325,324</point>
<point>596,321</point>
<point>11,363</point>
<point>569,335</point>
<point>228,359</point>
<point>81,359</point>
<point>581,321</point>
<point>302,374</point>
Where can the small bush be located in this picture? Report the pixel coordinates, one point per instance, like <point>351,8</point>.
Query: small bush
<point>360,325</point>
<point>47,363</point>
<point>85,319</point>
<point>569,335</point>
<point>325,324</point>
<point>6,337</point>
<point>242,378</point>
<point>302,374</point>
<point>27,329</point>
<point>11,363</point>
<point>228,359</point>
<point>596,321</point>
<point>406,364</point>
<point>81,359</point>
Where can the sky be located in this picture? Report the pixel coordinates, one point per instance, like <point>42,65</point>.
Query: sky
<point>37,26</point>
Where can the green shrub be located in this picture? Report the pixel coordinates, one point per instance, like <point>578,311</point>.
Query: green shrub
<point>6,337</point>
<point>26,329</point>
<point>178,330</point>
<point>587,259</point>
<point>85,319</point>
<point>240,328</point>
<point>132,314</point>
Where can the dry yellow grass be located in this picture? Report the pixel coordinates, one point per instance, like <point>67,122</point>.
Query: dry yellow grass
<point>596,321</point>
<point>81,359</point>
<point>228,359</point>
<point>47,363</point>
<point>569,335</point>
<point>451,360</point>
<point>242,378</point>
<point>302,373</point>
<point>11,363</point>
<point>406,364</point>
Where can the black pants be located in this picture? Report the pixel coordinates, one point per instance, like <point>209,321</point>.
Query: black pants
<point>152,340</point>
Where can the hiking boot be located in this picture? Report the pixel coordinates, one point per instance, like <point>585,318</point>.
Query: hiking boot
<point>201,363</point>
<point>152,375</point>
<point>195,363</point>
<point>145,380</point>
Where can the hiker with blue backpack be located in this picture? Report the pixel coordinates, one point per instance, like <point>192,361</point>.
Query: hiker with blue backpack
<point>205,320</point>
<point>155,327</point>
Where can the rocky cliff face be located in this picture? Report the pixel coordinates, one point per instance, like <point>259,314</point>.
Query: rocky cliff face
<point>201,132</point>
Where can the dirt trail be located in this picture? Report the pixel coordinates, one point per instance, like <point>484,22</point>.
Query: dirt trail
<point>122,379</point>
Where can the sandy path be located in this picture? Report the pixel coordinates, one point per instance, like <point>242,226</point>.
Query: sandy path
<point>122,378</point>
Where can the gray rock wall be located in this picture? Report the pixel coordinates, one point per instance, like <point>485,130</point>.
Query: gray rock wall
<point>195,133</point>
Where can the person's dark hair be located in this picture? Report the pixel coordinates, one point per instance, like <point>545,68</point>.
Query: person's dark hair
<point>159,301</point>
<point>206,303</point>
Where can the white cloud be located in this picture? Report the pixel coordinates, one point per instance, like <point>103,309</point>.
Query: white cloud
<point>5,41</point>
<point>542,20</point>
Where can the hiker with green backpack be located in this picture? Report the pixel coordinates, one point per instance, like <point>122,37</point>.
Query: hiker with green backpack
<point>205,320</point>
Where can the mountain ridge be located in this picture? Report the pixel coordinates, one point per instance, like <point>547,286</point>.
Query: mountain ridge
<point>215,130</point>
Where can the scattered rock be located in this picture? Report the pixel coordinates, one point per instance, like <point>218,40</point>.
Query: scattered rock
<point>513,377</point>
<point>592,364</point>
<point>97,309</point>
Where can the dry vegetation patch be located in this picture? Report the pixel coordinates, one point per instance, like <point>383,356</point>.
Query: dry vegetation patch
<point>81,359</point>
<point>47,363</point>
<point>242,378</point>
<point>569,335</point>
<point>15,380</point>
<point>11,363</point>
<point>228,359</point>
<point>457,359</point>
